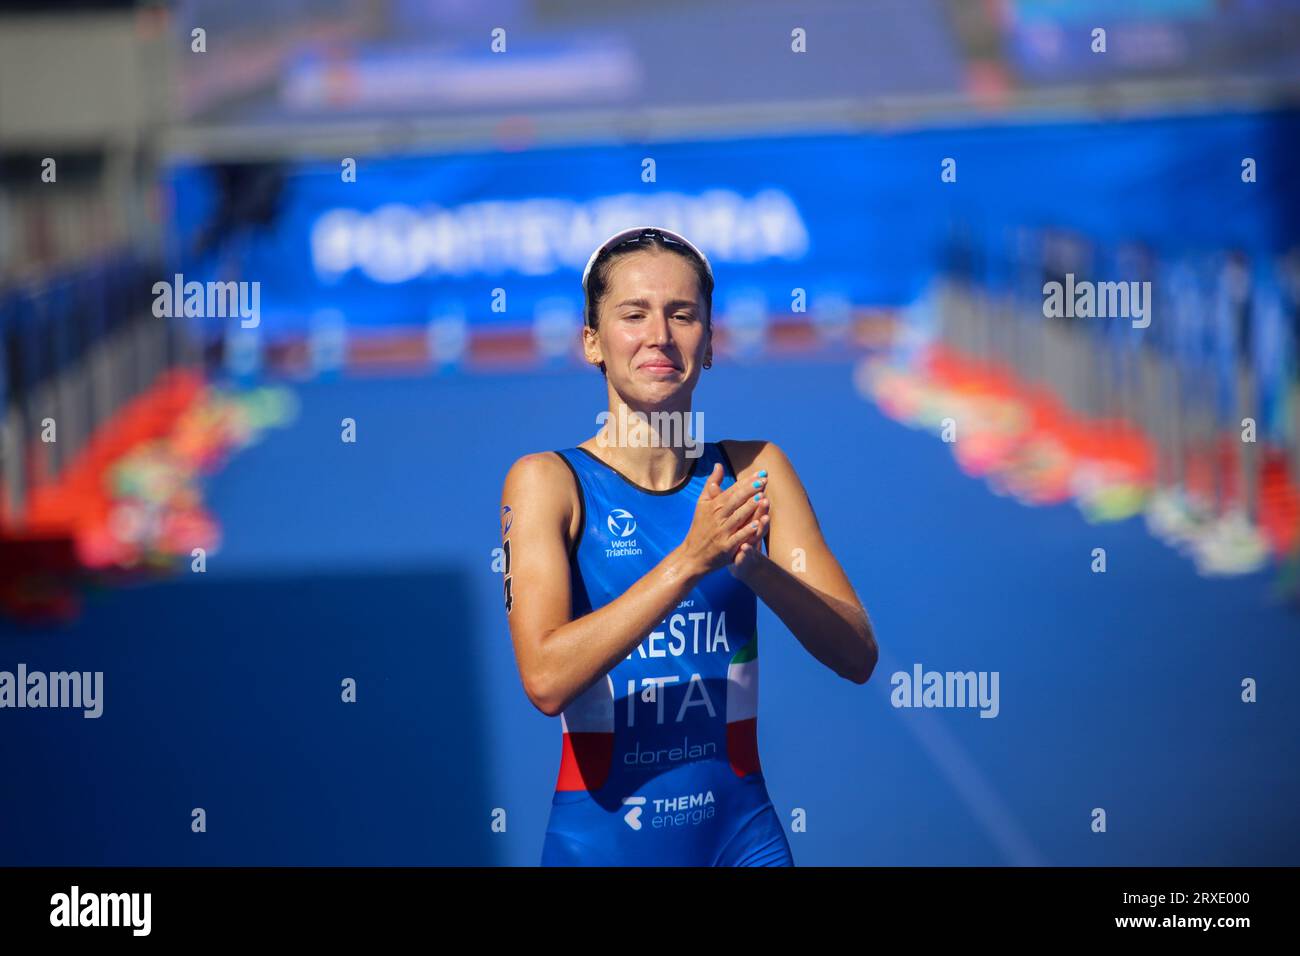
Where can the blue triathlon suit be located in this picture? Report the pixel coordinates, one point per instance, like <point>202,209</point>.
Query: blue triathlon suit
<point>659,765</point>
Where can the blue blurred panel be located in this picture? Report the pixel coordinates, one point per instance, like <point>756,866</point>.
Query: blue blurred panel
<point>300,61</point>
<point>1051,41</point>
<point>421,59</point>
<point>588,73</point>
<point>1090,11</point>
<point>223,692</point>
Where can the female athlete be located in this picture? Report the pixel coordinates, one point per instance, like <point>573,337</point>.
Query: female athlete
<point>633,568</point>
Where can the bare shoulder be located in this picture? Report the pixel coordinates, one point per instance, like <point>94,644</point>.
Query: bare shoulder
<point>746,454</point>
<point>546,467</point>
<point>541,480</point>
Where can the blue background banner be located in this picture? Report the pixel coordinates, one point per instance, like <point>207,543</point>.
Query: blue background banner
<point>862,217</point>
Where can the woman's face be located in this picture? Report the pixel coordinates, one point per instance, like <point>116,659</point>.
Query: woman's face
<point>652,330</point>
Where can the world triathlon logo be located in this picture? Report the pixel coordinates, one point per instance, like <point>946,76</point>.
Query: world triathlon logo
<point>621,524</point>
<point>622,527</point>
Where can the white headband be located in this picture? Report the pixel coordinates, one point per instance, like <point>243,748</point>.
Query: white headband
<point>627,234</point>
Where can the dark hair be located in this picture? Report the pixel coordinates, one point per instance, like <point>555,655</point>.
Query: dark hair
<point>598,280</point>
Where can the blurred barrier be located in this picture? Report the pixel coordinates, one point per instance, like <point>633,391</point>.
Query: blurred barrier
<point>105,422</point>
<point>1186,410</point>
<point>76,347</point>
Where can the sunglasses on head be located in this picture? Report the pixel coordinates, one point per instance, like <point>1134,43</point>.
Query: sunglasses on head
<point>649,235</point>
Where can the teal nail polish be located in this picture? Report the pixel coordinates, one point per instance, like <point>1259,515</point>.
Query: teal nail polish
<point>758,484</point>
<point>762,474</point>
<point>758,497</point>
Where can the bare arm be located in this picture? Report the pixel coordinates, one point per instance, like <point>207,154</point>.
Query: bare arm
<point>799,578</point>
<point>559,657</point>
